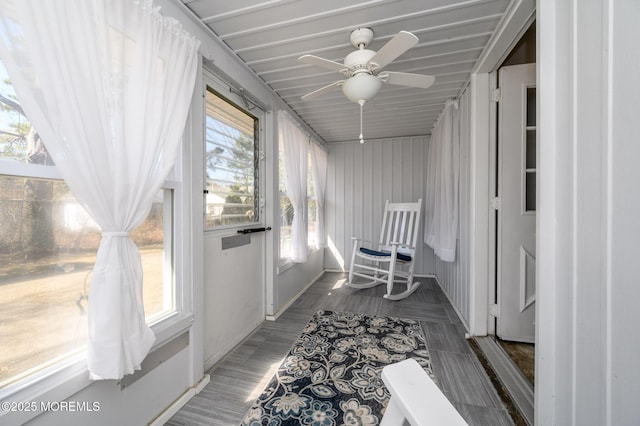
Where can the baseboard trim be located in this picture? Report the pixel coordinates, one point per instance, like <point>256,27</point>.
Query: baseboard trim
<point>453,305</point>
<point>172,409</point>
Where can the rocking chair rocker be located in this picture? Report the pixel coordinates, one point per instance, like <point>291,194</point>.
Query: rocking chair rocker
<point>379,262</point>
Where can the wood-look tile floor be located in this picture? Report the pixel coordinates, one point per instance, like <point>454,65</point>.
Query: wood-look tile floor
<point>240,377</point>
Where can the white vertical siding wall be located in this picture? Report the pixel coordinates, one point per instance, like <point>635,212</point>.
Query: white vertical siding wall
<point>454,276</point>
<point>360,177</point>
<point>589,218</point>
<point>290,282</point>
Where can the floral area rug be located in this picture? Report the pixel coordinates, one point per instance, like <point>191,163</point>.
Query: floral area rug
<point>331,375</point>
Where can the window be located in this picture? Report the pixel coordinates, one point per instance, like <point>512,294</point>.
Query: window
<point>312,210</point>
<point>529,152</point>
<point>231,164</point>
<point>286,210</point>
<point>48,246</point>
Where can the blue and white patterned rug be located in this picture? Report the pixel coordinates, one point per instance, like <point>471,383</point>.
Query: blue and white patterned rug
<point>331,375</point>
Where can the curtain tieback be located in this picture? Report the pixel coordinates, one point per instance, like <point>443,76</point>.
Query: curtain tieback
<point>115,234</point>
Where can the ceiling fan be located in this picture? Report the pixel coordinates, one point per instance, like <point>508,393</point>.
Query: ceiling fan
<point>363,69</point>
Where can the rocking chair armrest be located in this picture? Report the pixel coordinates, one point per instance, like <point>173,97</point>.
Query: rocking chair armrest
<point>361,240</point>
<point>401,245</point>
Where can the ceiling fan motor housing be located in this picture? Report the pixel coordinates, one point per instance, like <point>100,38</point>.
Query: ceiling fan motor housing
<point>358,60</point>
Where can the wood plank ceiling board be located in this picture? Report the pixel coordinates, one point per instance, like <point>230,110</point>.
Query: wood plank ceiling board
<point>270,35</point>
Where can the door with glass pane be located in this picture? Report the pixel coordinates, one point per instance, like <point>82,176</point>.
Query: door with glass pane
<point>517,208</point>
<point>234,261</point>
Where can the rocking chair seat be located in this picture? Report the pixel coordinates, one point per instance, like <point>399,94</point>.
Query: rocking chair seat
<point>376,253</point>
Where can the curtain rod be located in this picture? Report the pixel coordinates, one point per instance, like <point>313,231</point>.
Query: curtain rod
<point>452,101</point>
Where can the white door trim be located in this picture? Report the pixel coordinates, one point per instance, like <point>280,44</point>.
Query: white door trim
<point>482,245</point>
<point>479,204</point>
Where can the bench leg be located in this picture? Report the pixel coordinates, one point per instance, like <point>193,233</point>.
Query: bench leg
<point>393,415</point>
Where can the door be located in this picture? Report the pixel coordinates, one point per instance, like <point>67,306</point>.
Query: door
<point>234,273</point>
<point>517,161</point>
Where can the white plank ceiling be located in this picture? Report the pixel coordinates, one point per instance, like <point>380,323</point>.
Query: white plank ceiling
<point>270,35</point>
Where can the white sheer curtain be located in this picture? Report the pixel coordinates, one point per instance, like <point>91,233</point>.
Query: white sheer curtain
<point>441,201</point>
<point>319,173</point>
<point>294,142</point>
<point>108,84</point>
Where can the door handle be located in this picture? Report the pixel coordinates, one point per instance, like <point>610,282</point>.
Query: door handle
<point>253,230</point>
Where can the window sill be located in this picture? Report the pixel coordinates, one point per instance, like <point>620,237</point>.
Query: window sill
<point>284,265</point>
<point>171,327</point>
<point>70,376</point>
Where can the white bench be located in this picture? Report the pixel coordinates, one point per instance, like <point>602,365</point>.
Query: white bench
<point>415,399</point>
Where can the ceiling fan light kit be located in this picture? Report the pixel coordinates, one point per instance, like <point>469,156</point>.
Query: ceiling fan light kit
<point>361,87</point>
<point>362,68</point>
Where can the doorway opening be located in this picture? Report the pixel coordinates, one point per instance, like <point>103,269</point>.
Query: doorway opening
<point>510,349</point>
<point>516,173</point>
<point>523,356</point>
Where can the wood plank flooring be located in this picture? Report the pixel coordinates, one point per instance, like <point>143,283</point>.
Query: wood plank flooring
<point>239,378</point>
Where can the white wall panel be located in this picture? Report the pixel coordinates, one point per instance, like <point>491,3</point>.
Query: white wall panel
<point>137,404</point>
<point>623,210</point>
<point>234,293</point>
<point>360,178</point>
<point>454,276</point>
<point>588,228</point>
<point>290,282</point>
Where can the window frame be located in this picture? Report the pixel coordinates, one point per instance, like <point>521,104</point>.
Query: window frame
<point>285,263</point>
<point>310,247</point>
<point>159,321</point>
<point>69,374</point>
<point>213,85</point>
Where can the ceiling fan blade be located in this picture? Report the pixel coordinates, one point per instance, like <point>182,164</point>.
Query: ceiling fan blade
<point>322,63</point>
<point>323,90</point>
<point>407,79</point>
<point>395,47</point>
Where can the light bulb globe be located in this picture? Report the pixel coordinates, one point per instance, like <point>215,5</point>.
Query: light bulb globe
<point>361,87</point>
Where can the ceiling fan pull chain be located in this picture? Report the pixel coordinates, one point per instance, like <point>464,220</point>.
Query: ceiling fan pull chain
<point>361,107</point>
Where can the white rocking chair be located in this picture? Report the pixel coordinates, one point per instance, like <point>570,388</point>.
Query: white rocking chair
<point>397,246</point>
